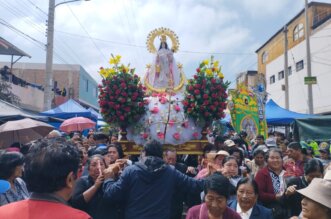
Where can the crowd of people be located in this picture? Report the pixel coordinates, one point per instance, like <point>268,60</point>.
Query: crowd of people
<point>91,177</point>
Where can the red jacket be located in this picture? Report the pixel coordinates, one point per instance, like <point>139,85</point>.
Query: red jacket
<point>266,189</point>
<point>38,209</point>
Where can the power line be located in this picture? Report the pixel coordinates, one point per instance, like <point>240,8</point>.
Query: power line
<point>89,36</point>
<point>5,23</point>
<point>36,6</point>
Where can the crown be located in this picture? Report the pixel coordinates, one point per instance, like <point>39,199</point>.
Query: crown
<point>163,38</point>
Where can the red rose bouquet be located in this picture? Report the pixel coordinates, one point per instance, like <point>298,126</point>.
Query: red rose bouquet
<point>121,95</point>
<point>205,95</point>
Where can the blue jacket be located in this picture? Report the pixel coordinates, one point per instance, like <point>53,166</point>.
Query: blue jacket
<point>258,212</point>
<point>147,188</point>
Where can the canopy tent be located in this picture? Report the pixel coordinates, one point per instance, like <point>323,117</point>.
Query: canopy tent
<point>316,128</point>
<point>9,112</point>
<point>279,116</point>
<point>95,113</point>
<point>69,109</point>
<point>6,48</point>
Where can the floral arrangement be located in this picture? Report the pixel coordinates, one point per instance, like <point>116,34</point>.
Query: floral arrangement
<point>121,95</point>
<point>205,94</point>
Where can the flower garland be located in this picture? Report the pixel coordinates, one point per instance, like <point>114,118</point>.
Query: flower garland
<point>121,95</point>
<point>205,95</point>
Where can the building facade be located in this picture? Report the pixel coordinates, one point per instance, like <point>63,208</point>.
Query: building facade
<point>70,81</point>
<point>271,61</point>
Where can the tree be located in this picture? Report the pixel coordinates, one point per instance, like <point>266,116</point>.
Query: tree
<point>7,95</point>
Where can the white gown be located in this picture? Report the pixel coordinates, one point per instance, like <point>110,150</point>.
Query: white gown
<point>168,75</point>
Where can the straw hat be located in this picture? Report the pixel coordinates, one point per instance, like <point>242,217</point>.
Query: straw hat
<point>222,152</point>
<point>229,143</point>
<point>318,190</point>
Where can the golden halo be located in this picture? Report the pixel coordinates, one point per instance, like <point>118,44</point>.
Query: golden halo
<point>163,32</point>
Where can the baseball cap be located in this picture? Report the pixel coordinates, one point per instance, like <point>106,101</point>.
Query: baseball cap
<point>324,147</point>
<point>270,142</point>
<point>229,143</point>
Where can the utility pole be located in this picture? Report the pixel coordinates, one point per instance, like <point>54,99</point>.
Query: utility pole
<point>286,68</point>
<point>48,95</point>
<point>310,88</point>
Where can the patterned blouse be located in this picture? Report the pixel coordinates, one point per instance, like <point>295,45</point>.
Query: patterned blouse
<point>21,193</point>
<point>277,181</point>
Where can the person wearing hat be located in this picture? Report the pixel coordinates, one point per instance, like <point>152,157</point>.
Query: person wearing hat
<point>292,199</point>
<point>324,150</point>
<point>316,199</point>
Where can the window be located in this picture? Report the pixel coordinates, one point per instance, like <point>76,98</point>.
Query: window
<point>272,79</point>
<point>264,57</point>
<point>299,65</point>
<point>289,70</point>
<point>95,92</point>
<point>86,85</point>
<point>280,75</point>
<point>298,32</point>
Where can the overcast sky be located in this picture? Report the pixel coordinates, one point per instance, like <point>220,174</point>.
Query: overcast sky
<point>86,33</point>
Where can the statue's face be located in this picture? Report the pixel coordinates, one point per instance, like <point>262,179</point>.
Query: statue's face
<point>163,45</point>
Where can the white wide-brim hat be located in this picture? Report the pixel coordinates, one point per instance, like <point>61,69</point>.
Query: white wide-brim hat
<point>319,190</point>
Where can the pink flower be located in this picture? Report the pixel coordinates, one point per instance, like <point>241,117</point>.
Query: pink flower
<point>185,124</point>
<point>197,91</point>
<point>177,108</point>
<point>163,100</point>
<point>195,135</point>
<point>171,123</point>
<point>154,110</point>
<point>176,136</point>
<point>144,135</point>
<point>160,135</point>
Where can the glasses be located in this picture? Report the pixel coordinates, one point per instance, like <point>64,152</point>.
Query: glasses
<point>248,193</point>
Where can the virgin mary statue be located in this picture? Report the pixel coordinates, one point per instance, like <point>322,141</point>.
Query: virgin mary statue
<point>163,73</point>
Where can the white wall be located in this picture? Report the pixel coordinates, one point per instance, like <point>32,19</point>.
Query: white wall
<point>31,98</point>
<point>320,46</point>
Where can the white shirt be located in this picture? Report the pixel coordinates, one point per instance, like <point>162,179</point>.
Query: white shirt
<point>244,215</point>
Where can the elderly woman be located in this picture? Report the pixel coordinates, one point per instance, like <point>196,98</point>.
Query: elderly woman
<point>316,199</point>
<point>87,195</point>
<point>216,189</point>
<point>271,183</point>
<point>246,204</point>
<point>11,167</point>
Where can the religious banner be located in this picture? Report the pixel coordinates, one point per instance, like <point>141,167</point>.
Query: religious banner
<point>246,111</point>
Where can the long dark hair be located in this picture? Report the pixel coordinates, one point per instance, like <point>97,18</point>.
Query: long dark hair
<point>166,45</point>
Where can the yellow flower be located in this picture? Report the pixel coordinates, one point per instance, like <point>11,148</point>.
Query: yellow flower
<point>220,75</point>
<point>216,64</point>
<point>209,72</point>
<point>103,72</point>
<point>115,60</point>
<point>206,62</point>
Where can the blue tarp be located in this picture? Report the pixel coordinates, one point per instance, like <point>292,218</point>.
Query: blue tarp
<point>69,110</point>
<point>279,116</point>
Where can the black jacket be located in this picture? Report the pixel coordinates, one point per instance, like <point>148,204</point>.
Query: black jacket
<point>97,207</point>
<point>147,188</point>
<point>293,202</point>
